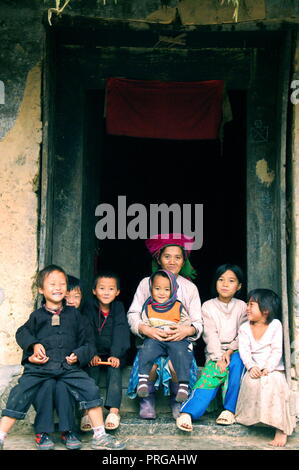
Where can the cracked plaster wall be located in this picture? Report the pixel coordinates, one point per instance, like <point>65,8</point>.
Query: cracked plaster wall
<point>19,167</point>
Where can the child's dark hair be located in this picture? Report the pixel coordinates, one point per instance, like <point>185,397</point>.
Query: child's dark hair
<point>73,283</point>
<point>160,272</point>
<point>109,275</point>
<point>221,270</point>
<point>267,301</point>
<point>45,273</point>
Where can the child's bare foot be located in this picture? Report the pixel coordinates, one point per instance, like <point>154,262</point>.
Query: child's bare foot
<point>280,439</point>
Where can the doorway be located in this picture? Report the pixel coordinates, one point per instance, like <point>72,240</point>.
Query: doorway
<point>155,171</point>
<point>152,171</point>
<point>86,167</point>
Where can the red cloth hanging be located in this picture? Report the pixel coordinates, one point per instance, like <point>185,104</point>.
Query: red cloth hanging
<point>164,110</point>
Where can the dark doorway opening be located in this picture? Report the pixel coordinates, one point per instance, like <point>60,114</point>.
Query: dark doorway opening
<point>149,171</point>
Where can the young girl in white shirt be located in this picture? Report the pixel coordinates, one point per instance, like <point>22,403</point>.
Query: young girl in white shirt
<point>264,395</point>
<point>222,317</point>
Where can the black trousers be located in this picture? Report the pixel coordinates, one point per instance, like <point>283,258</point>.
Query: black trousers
<point>113,382</point>
<point>178,352</point>
<point>81,387</point>
<point>54,394</point>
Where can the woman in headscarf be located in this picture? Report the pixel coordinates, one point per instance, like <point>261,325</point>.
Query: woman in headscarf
<point>170,252</point>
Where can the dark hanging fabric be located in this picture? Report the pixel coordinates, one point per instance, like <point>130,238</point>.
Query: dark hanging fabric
<point>164,110</point>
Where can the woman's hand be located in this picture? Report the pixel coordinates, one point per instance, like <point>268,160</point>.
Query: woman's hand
<point>222,365</point>
<point>115,362</point>
<point>255,372</point>
<point>154,333</point>
<point>179,332</point>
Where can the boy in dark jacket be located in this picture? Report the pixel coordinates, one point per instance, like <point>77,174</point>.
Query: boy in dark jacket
<point>52,392</point>
<point>111,336</point>
<point>55,347</point>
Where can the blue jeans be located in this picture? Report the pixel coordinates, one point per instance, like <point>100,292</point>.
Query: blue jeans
<point>200,398</point>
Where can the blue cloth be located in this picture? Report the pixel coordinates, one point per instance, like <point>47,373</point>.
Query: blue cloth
<point>163,376</point>
<point>200,398</point>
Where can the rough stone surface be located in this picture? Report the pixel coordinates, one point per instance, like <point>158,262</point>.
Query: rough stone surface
<point>158,434</point>
<point>215,438</point>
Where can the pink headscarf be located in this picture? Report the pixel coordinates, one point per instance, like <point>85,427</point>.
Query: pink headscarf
<point>157,242</point>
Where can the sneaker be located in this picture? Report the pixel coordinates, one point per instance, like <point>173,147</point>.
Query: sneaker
<point>70,440</point>
<point>43,441</point>
<point>106,441</point>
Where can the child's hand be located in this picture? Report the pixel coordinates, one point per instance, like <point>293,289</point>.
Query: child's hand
<point>115,362</point>
<point>36,360</point>
<point>94,361</point>
<point>222,365</point>
<point>265,372</point>
<point>72,359</point>
<point>39,351</point>
<point>226,356</point>
<point>255,372</point>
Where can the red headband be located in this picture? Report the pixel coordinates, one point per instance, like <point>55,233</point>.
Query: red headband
<point>157,242</point>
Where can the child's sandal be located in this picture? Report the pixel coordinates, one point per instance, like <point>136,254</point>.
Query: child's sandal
<point>226,418</point>
<point>112,421</point>
<point>85,425</point>
<point>184,422</point>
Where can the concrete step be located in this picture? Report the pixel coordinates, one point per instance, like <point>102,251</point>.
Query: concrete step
<point>147,447</point>
<point>131,425</point>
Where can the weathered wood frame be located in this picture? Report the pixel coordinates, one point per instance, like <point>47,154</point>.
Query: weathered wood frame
<point>267,271</point>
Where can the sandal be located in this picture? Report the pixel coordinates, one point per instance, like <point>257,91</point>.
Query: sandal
<point>184,422</point>
<point>226,418</point>
<point>85,425</point>
<point>112,421</point>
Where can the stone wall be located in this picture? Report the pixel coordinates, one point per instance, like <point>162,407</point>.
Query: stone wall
<point>19,176</point>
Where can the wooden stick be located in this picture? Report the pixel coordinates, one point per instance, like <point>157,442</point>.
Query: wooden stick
<point>104,363</point>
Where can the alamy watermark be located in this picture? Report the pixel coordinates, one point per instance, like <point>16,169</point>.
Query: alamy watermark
<point>138,222</point>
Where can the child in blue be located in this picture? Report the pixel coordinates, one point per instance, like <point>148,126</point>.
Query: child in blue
<point>55,346</point>
<point>163,310</point>
<point>222,318</point>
